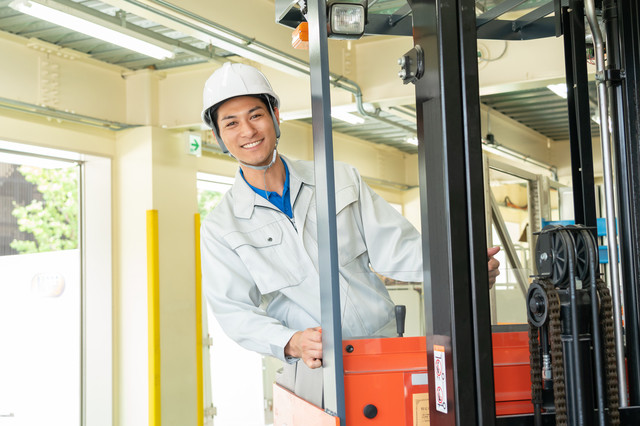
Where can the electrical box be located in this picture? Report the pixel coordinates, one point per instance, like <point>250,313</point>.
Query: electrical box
<point>385,381</point>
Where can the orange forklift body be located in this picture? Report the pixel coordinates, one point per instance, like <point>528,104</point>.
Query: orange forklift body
<point>385,382</point>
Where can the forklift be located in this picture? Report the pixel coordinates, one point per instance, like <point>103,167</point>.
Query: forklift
<point>574,363</point>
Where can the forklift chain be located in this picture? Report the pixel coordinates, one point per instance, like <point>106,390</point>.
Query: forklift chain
<point>606,321</point>
<point>536,366</point>
<point>557,364</point>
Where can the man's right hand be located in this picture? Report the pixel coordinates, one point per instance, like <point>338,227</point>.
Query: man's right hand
<point>306,345</point>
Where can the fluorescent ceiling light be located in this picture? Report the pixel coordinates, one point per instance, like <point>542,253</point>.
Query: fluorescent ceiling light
<point>212,33</point>
<point>339,114</point>
<point>295,115</point>
<point>347,117</point>
<point>413,141</point>
<point>345,113</point>
<point>559,89</point>
<point>69,18</point>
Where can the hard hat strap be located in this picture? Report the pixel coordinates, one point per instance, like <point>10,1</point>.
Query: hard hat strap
<point>273,160</point>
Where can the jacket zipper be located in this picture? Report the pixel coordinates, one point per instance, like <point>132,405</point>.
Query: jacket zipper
<point>293,222</point>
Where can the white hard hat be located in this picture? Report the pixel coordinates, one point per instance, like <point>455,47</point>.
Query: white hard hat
<point>230,81</point>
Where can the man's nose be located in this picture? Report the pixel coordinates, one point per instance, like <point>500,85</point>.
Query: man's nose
<point>247,128</point>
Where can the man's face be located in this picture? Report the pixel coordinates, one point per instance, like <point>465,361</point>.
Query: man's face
<point>246,127</point>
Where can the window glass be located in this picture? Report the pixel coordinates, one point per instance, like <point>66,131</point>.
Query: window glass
<point>511,231</point>
<point>211,188</point>
<point>40,297</point>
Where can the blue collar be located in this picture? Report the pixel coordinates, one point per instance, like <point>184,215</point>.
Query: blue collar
<point>282,202</point>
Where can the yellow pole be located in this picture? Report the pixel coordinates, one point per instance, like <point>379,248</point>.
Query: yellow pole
<point>199,336</point>
<point>153,309</point>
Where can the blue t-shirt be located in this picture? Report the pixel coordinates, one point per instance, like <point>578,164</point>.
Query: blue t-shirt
<point>281,202</point>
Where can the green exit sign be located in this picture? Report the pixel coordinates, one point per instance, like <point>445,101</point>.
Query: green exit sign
<point>194,144</point>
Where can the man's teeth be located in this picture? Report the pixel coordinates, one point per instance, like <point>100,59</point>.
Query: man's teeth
<point>251,145</point>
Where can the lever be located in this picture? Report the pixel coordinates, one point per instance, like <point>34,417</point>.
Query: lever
<point>401,313</point>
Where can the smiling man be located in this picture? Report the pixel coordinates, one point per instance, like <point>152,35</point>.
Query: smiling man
<point>259,245</point>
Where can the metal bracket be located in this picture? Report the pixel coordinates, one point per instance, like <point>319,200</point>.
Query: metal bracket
<point>610,76</point>
<point>412,65</point>
<point>614,75</point>
<point>210,412</point>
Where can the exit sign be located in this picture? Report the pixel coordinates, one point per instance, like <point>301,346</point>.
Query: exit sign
<point>194,144</point>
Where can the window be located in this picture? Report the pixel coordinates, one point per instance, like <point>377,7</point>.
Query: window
<point>40,295</point>
<point>55,287</point>
<point>211,188</point>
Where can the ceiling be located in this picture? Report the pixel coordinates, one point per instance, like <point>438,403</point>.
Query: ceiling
<point>539,109</point>
<point>188,50</point>
<point>387,129</point>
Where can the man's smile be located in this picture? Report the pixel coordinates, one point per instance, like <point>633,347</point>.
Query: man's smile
<point>252,144</point>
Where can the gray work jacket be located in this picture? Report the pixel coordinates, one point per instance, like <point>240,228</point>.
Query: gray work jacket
<point>260,268</point>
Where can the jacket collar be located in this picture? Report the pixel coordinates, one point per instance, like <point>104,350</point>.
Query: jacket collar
<point>245,199</point>
<point>298,175</point>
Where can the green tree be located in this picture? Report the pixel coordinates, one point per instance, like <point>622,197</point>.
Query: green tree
<point>53,222</point>
<point>207,200</point>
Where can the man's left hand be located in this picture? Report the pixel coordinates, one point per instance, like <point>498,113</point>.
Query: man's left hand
<point>493,265</point>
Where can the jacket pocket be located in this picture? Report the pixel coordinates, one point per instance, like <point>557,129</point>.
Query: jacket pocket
<point>268,257</point>
<point>350,241</point>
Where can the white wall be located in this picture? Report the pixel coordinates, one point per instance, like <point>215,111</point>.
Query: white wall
<point>561,153</point>
<point>133,190</point>
<point>523,62</point>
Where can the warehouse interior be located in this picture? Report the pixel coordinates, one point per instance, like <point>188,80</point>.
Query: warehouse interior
<point>129,127</point>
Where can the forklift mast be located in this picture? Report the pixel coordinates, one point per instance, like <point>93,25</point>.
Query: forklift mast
<point>443,67</point>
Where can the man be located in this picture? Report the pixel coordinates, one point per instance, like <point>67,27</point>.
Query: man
<point>259,245</point>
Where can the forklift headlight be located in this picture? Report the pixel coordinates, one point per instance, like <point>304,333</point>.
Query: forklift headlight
<point>346,18</point>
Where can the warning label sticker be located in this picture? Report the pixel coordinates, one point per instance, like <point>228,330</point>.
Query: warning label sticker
<point>441,378</point>
<point>420,409</point>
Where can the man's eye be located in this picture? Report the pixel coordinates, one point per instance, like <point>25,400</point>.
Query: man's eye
<point>254,116</point>
<point>230,123</point>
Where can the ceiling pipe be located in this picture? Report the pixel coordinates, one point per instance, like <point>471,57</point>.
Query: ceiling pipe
<point>490,141</point>
<point>252,49</point>
<point>59,115</point>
